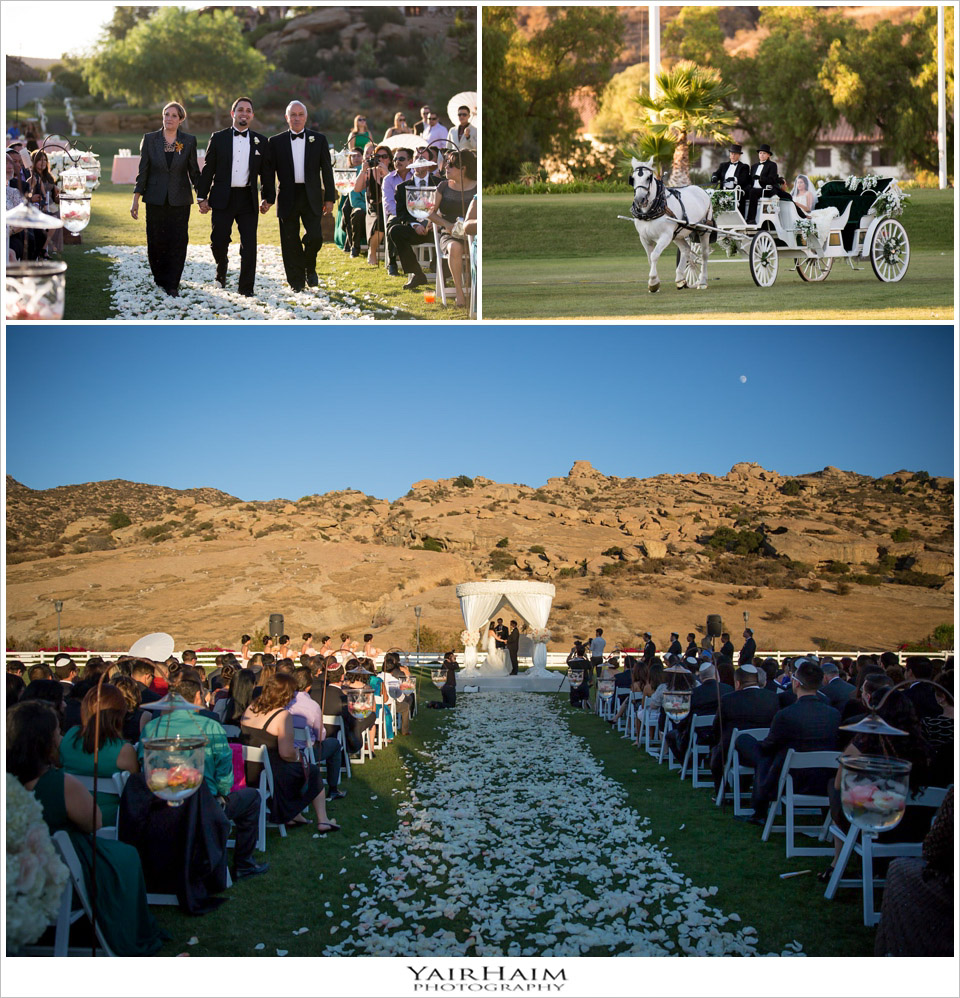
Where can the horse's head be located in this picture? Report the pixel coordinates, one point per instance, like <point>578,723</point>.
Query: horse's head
<point>643,181</point>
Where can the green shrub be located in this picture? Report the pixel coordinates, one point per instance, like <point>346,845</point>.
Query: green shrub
<point>568,573</point>
<point>118,520</point>
<point>463,482</point>
<point>900,535</point>
<point>160,531</point>
<point>814,587</point>
<point>844,589</point>
<point>837,568</point>
<point>734,541</point>
<point>613,552</point>
<point>537,549</point>
<point>430,544</point>
<point>943,635</point>
<point>912,578</point>
<point>504,542</point>
<point>500,560</point>
<point>376,17</point>
<point>791,488</point>
<point>613,568</point>
<point>866,580</point>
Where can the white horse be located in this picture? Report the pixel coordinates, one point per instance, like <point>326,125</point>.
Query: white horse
<point>662,215</point>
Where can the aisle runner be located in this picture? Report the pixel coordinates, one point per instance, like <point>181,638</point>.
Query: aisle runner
<point>515,841</point>
<point>134,295</point>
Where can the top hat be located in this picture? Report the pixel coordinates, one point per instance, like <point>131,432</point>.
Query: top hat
<point>764,148</point>
<point>736,147</point>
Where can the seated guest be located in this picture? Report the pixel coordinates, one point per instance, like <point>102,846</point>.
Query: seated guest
<point>354,210</point>
<point>749,706</point>
<point>194,694</point>
<point>39,671</point>
<point>231,708</point>
<point>402,159</point>
<point>835,690</point>
<point>65,669</point>
<point>33,740</point>
<point>18,248</point>
<point>399,126</point>
<point>51,692</point>
<point>808,725</point>
<point>241,806</point>
<point>114,753</point>
<point>296,784</point>
<point>939,733</point>
<point>923,695</point>
<point>15,688</point>
<point>453,199</point>
<point>143,672</point>
<point>136,717</point>
<point>267,672</point>
<point>327,749</point>
<point>463,135</point>
<point>623,685</point>
<point>704,701</point>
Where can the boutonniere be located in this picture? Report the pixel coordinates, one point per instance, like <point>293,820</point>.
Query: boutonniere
<point>309,138</point>
<point>178,146</point>
<point>256,141</point>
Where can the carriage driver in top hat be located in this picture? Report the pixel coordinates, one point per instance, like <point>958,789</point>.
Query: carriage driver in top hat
<point>734,174</point>
<point>763,174</point>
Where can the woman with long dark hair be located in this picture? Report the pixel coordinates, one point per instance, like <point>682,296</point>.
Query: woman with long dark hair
<point>242,685</point>
<point>168,170</point>
<point>376,167</point>
<point>454,196</point>
<point>42,192</point>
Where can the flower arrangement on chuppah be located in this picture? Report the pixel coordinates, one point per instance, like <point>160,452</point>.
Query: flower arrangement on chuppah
<point>35,873</point>
<point>469,639</point>
<point>540,634</point>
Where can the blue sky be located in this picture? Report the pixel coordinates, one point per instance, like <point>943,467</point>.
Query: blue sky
<point>275,411</point>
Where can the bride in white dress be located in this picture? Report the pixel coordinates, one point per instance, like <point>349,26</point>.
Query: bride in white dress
<point>498,661</point>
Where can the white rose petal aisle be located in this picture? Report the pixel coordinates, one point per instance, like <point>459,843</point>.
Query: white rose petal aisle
<point>134,295</point>
<point>511,848</point>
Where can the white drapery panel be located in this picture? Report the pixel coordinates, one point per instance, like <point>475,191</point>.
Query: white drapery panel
<point>476,610</point>
<point>532,600</point>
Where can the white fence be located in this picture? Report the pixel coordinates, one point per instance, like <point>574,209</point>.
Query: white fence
<point>555,659</point>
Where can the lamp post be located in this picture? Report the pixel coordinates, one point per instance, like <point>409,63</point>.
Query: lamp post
<point>16,117</point>
<point>417,610</point>
<point>58,606</point>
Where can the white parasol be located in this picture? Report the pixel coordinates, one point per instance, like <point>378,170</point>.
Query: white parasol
<point>468,98</point>
<point>26,216</point>
<point>157,646</point>
<point>408,140</point>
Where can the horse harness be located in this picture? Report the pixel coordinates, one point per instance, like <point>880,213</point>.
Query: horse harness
<point>658,207</point>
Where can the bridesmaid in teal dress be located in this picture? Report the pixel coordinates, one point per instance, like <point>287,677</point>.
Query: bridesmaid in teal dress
<point>33,740</point>
<point>115,755</point>
<point>377,683</point>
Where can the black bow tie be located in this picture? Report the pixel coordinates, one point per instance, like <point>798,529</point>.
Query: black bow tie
<point>240,135</point>
<point>296,135</point>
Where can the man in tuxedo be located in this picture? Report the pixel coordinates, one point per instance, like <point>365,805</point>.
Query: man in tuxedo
<point>749,648</point>
<point>763,174</point>
<point>809,725</point>
<point>422,124</point>
<point>513,646</point>
<point>835,690</point>
<point>726,648</point>
<point>502,633</point>
<point>234,163</point>
<point>404,230</point>
<point>749,706</point>
<point>299,159</point>
<point>703,701</point>
<point>693,649</point>
<point>649,648</point>
<point>675,647</point>
<point>923,696</point>
<point>729,176</point>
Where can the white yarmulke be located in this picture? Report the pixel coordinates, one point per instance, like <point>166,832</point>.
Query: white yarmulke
<point>748,668</point>
<point>706,666</point>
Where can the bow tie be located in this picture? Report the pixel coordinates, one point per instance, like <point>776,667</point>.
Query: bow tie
<point>240,135</point>
<point>296,135</point>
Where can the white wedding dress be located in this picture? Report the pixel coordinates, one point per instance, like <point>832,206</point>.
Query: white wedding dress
<point>498,659</point>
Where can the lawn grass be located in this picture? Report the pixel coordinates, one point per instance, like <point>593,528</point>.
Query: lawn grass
<point>713,849</point>
<point>111,225</point>
<point>570,257</point>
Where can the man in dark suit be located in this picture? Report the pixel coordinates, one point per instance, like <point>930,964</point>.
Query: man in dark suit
<point>809,725</point>
<point>729,176</point>
<point>502,633</point>
<point>726,648</point>
<point>703,701</point>
<point>923,696</point>
<point>763,174</point>
<point>693,649</point>
<point>675,647</point>
<point>235,160</point>
<point>405,231</point>
<point>749,706</point>
<point>649,648</point>
<point>513,646</point>
<point>299,159</point>
<point>422,123</point>
<point>749,648</point>
<point>835,690</point>
<point>143,672</point>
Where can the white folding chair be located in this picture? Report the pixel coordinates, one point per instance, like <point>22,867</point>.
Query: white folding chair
<point>672,764</point>
<point>66,915</point>
<point>697,752</point>
<point>335,720</point>
<point>734,770</point>
<point>303,737</point>
<point>796,804</point>
<point>106,786</point>
<point>869,848</point>
<point>652,737</point>
<point>633,714</point>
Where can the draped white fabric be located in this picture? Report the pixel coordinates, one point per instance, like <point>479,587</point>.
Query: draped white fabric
<point>476,610</point>
<point>535,608</point>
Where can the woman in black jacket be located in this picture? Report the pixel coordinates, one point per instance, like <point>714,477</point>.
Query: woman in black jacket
<point>168,169</point>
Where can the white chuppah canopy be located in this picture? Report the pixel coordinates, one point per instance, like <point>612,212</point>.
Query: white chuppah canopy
<point>480,601</point>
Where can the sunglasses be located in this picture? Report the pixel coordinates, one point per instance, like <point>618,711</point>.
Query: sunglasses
<point>463,114</point>
<point>432,117</point>
<point>382,156</point>
<point>361,119</point>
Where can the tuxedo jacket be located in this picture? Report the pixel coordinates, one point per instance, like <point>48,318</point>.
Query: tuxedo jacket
<point>675,649</point>
<point>158,183</point>
<point>649,650</point>
<point>924,699</point>
<point>767,176</point>
<point>317,173</point>
<point>217,169</point>
<point>741,176</point>
<point>513,641</point>
<point>750,707</point>
<point>747,652</point>
<point>837,692</point>
<point>727,650</point>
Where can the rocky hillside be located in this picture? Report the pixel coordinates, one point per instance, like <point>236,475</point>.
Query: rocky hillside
<point>657,553</point>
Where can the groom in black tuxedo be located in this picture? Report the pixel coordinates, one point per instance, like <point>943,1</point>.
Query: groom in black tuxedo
<point>235,161</point>
<point>300,160</point>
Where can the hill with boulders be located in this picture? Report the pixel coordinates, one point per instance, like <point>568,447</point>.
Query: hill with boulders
<point>826,559</point>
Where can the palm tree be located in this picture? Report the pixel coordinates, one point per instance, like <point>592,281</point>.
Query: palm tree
<point>653,143</point>
<point>690,100</point>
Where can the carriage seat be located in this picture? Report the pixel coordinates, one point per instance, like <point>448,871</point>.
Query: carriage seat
<point>852,207</point>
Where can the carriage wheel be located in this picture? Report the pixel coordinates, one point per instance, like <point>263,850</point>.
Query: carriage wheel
<point>814,268</point>
<point>764,260</point>
<point>694,264</point>
<point>890,251</point>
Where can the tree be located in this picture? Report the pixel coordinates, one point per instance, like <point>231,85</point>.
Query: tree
<point>695,35</point>
<point>689,99</point>
<point>531,79</point>
<point>617,114</point>
<point>780,99</point>
<point>124,20</point>
<point>176,54</point>
<point>886,78</point>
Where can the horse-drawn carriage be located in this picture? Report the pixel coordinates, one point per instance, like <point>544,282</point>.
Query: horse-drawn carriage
<point>853,219</point>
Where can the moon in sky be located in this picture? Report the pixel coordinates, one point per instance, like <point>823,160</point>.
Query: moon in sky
<point>743,379</point>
